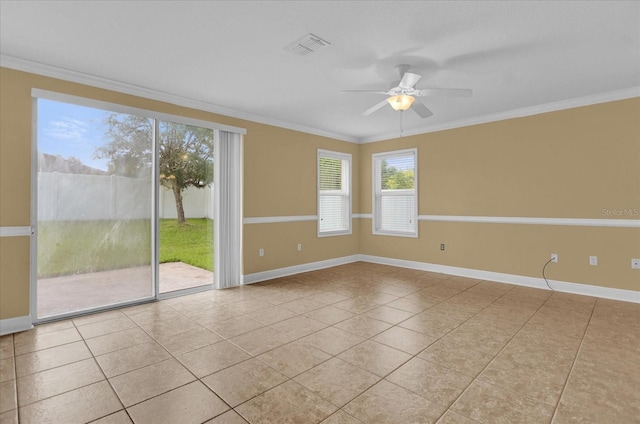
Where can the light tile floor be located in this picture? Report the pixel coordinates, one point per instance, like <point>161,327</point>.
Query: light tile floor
<point>359,343</point>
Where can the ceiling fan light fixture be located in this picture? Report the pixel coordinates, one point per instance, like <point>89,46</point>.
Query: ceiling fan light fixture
<point>401,101</point>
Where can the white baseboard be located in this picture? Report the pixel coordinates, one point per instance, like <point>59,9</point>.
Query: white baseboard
<point>297,269</point>
<point>520,280</point>
<point>15,325</point>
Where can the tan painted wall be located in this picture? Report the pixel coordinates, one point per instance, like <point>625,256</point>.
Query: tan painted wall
<point>566,164</point>
<point>280,171</point>
<point>279,241</point>
<point>14,277</point>
<point>279,179</point>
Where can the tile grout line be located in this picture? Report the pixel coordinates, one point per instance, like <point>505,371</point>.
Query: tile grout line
<point>102,371</point>
<point>493,359</point>
<point>447,408</point>
<point>171,356</point>
<point>573,364</point>
<point>339,408</point>
<point>331,356</point>
<point>222,369</point>
<point>83,340</point>
<point>412,356</point>
<point>15,373</point>
<point>107,379</point>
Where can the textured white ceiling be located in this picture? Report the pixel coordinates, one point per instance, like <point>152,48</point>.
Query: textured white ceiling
<point>514,55</point>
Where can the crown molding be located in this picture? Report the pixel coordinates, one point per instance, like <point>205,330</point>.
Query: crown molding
<point>593,99</point>
<point>38,68</point>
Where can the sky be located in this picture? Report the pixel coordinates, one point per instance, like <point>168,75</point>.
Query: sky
<point>69,130</point>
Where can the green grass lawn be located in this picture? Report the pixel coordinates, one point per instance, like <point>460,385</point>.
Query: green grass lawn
<point>66,247</point>
<point>191,243</point>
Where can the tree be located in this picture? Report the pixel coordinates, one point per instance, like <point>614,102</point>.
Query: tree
<point>394,179</point>
<point>330,174</point>
<point>185,153</point>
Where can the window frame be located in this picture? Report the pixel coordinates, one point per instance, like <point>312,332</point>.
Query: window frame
<point>344,157</point>
<point>377,192</point>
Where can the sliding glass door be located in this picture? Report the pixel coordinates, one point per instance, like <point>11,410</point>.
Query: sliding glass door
<point>124,206</point>
<point>185,207</point>
<point>94,208</point>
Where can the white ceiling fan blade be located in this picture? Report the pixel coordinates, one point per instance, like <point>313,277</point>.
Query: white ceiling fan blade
<point>419,108</point>
<point>374,108</point>
<point>451,92</point>
<point>409,80</point>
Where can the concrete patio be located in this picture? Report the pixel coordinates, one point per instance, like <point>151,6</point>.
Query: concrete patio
<point>78,292</point>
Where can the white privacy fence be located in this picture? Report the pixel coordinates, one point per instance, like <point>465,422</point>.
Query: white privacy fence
<point>197,203</point>
<point>80,197</point>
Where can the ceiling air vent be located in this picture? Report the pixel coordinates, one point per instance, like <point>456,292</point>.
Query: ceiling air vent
<point>307,44</point>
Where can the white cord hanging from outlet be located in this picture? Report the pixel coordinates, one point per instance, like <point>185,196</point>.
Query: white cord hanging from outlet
<point>554,258</point>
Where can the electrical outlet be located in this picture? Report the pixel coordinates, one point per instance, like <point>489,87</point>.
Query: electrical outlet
<point>299,247</point>
<point>593,260</point>
<point>261,252</point>
<point>554,257</point>
<point>442,246</point>
<point>635,263</point>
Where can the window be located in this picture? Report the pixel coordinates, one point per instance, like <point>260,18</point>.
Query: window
<point>395,195</point>
<point>334,193</point>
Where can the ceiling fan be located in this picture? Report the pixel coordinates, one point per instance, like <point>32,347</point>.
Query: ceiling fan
<point>403,95</point>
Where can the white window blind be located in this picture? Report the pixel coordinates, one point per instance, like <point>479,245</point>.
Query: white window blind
<point>334,193</point>
<point>395,198</point>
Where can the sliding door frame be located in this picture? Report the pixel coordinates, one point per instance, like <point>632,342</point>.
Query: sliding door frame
<point>155,191</point>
